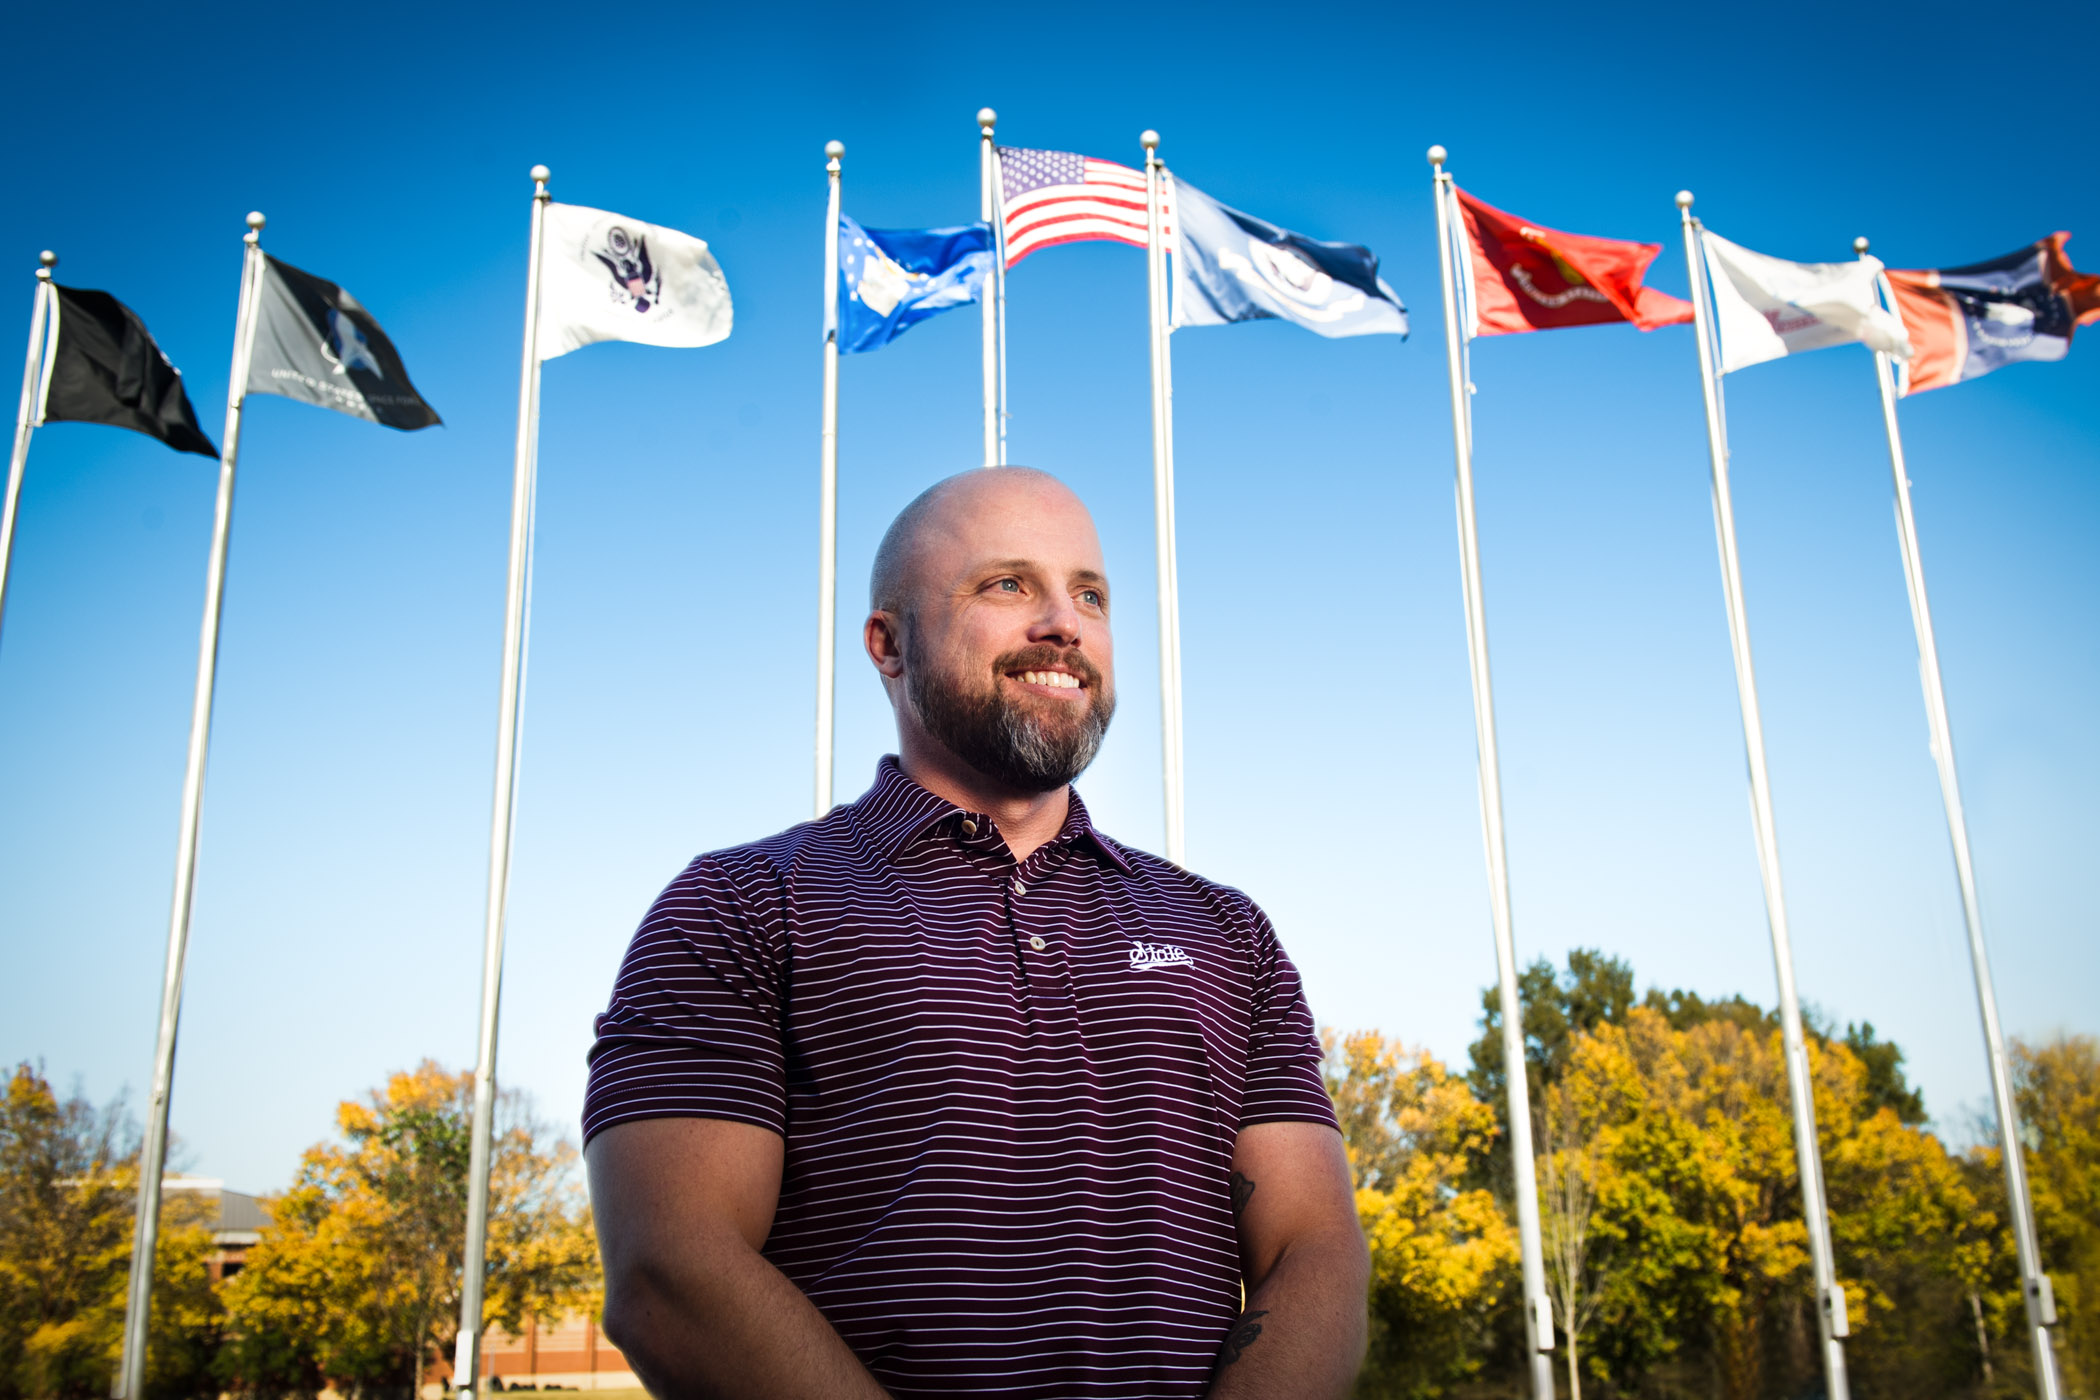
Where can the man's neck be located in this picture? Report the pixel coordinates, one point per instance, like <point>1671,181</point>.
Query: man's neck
<point>1026,820</point>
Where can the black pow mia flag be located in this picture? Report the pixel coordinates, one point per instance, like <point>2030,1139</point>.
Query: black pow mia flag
<point>316,343</point>
<point>105,368</point>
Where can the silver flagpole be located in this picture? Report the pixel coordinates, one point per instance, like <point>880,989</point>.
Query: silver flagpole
<point>828,495</point>
<point>25,418</point>
<point>1830,1295</point>
<point>1538,1310</point>
<point>2034,1281</point>
<point>467,1354</point>
<point>1163,509</point>
<point>987,157</point>
<point>153,1152</point>
<point>998,287</point>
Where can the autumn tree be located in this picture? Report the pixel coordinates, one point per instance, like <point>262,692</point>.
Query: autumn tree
<point>68,1188</point>
<point>356,1280</point>
<point>1441,1253</point>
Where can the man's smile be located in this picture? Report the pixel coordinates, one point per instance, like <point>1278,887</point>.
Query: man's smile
<point>1048,679</point>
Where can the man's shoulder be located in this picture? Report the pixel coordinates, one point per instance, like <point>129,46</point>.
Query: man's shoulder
<point>1160,878</point>
<point>811,847</point>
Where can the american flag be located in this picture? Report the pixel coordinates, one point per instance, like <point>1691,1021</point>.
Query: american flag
<point>1052,197</point>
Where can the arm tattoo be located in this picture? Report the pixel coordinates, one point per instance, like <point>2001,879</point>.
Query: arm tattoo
<point>1244,1330</point>
<point>1242,1192</point>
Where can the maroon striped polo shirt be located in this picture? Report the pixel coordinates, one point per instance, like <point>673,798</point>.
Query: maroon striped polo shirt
<point>1009,1093</point>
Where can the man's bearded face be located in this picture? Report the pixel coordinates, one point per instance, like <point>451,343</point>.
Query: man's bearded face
<point>995,721</point>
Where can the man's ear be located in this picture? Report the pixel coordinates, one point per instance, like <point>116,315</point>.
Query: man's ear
<point>883,635</point>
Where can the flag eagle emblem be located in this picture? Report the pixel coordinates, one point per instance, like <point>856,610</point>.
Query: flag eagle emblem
<point>635,279</point>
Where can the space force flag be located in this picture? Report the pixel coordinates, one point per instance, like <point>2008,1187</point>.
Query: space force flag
<point>1519,276</point>
<point>103,367</point>
<point>1966,321</point>
<point>316,343</point>
<point>604,276</point>
<point>894,278</point>
<point>1766,307</point>
<point>1230,266</point>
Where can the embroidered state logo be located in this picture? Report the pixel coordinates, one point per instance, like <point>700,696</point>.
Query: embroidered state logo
<point>1145,956</point>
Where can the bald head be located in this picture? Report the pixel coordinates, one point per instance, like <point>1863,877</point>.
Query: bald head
<point>935,514</point>
<point>988,622</point>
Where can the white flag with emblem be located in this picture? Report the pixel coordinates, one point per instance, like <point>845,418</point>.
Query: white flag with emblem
<point>1766,307</point>
<point>604,276</point>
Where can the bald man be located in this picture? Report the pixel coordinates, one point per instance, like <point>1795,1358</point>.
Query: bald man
<point>950,1094</point>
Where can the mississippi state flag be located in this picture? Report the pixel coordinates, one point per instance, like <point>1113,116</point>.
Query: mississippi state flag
<point>1526,277</point>
<point>1966,321</point>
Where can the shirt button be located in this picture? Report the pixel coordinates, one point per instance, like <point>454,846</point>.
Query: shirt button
<point>1019,888</point>
<point>969,827</point>
<point>1036,942</point>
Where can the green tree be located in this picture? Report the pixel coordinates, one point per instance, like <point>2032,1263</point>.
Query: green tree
<point>68,1184</point>
<point>356,1280</point>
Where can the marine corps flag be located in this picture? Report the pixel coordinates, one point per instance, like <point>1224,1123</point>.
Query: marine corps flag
<point>316,343</point>
<point>1966,321</point>
<point>1524,277</point>
<point>105,368</point>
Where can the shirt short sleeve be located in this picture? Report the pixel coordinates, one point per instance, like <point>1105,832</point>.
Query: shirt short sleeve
<point>1283,1049</point>
<point>694,1026</point>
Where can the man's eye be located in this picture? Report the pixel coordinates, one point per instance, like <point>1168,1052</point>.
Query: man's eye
<point>1009,585</point>
<point>1090,598</point>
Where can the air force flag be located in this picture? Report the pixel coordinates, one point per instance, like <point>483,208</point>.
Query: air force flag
<point>1230,266</point>
<point>891,278</point>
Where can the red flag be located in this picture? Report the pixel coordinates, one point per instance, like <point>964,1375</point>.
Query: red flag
<point>1528,278</point>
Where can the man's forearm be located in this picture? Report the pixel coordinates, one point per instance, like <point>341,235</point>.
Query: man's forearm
<point>1301,1336</point>
<point>729,1324</point>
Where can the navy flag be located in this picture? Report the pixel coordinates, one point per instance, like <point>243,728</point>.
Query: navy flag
<point>316,343</point>
<point>1230,266</point>
<point>105,368</point>
<point>894,278</point>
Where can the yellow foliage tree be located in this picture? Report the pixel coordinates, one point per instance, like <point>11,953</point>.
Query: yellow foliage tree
<point>68,1185</point>
<point>1441,1254</point>
<point>356,1280</point>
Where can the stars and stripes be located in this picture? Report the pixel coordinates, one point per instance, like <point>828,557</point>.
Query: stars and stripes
<point>1052,197</point>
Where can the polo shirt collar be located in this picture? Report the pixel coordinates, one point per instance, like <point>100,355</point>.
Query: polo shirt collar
<point>896,811</point>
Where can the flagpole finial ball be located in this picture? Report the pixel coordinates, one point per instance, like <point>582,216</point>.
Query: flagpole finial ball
<point>1438,155</point>
<point>541,174</point>
<point>1860,245</point>
<point>987,118</point>
<point>1684,199</point>
<point>256,220</point>
<point>834,149</point>
<point>47,258</point>
<point>1149,139</point>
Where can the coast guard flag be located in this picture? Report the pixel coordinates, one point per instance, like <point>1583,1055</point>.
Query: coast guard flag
<point>1230,266</point>
<point>1966,321</point>
<point>604,276</point>
<point>1766,307</point>
<point>893,278</point>
<point>316,343</point>
<point>105,368</point>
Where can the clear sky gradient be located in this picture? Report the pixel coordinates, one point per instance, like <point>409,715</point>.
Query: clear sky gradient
<point>1330,741</point>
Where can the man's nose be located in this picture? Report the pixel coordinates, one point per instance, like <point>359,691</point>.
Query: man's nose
<point>1059,621</point>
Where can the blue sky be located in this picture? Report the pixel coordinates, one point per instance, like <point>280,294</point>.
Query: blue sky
<point>1330,745</point>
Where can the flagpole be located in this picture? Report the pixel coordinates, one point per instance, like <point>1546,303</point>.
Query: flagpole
<point>26,416</point>
<point>987,158</point>
<point>1830,1295</point>
<point>503,820</point>
<point>828,495</point>
<point>2035,1288</point>
<point>153,1151</point>
<point>1163,509</point>
<point>998,286</point>
<point>1538,1310</point>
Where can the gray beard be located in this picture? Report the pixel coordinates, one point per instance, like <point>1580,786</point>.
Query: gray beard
<point>1026,752</point>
